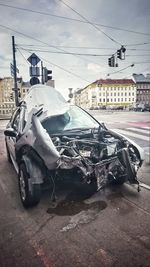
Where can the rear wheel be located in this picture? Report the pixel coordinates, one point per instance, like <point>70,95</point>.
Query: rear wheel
<point>29,193</point>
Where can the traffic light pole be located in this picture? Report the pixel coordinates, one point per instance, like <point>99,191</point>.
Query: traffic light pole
<point>42,74</point>
<point>15,72</point>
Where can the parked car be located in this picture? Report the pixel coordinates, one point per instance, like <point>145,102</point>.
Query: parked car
<point>142,107</point>
<point>48,140</point>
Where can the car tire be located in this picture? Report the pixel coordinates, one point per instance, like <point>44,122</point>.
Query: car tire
<point>8,155</point>
<point>28,197</point>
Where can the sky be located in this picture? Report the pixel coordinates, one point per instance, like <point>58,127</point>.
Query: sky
<point>82,27</point>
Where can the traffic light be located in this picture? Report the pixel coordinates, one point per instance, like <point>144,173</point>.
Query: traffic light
<point>119,54</point>
<point>111,61</point>
<point>123,49</point>
<point>46,74</point>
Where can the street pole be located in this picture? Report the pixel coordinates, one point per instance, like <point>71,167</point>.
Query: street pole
<point>42,74</point>
<point>15,72</point>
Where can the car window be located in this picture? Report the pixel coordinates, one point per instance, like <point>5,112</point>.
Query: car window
<point>15,123</point>
<point>74,118</point>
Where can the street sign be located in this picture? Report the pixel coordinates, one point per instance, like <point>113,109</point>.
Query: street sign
<point>34,80</point>
<point>34,59</point>
<point>34,71</point>
<point>12,69</point>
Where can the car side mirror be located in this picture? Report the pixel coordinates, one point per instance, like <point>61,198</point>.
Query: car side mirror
<point>10,132</point>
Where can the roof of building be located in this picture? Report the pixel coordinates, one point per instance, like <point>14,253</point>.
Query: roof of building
<point>78,91</point>
<point>140,78</point>
<point>114,81</point>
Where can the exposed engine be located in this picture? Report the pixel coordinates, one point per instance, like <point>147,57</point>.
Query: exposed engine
<point>99,155</point>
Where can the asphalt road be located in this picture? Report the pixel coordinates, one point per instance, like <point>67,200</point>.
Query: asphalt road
<point>110,228</point>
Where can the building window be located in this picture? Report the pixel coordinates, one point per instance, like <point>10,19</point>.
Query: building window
<point>118,99</point>
<point>121,99</point>
<point>114,94</point>
<point>125,100</point>
<point>103,99</point>
<point>114,99</point>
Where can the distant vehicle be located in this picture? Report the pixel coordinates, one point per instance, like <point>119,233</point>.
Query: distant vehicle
<point>142,107</point>
<point>48,140</point>
<point>118,108</point>
<point>102,107</point>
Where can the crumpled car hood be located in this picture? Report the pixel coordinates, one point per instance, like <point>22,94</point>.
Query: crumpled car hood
<point>48,98</point>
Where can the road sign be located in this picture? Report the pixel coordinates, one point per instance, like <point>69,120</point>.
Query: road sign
<point>34,80</point>
<point>34,59</point>
<point>12,69</point>
<point>34,71</point>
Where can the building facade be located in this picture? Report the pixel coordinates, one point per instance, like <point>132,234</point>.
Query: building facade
<point>143,88</point>
<point>107,93</point>
<point>7,103</point>
<point>7,96</point>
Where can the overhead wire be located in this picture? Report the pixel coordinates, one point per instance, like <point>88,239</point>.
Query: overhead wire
<point>91,23</point>
<point>37,40</point>
<point>81,47</point>
<point>28,36</point>
<point>66,53</point>
<point>71,19</point>
<point>72,53</point>
<point>132,65</point>
<point>47,44</point>
<point>62,68</point>
<point>23,56</point>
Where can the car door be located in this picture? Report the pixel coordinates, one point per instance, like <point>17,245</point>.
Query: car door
<point>11,141</point>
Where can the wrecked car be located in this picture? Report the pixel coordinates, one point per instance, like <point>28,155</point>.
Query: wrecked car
<point>48,139</point>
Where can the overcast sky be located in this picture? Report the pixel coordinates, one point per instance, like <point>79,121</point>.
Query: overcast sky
<point>55,34</point>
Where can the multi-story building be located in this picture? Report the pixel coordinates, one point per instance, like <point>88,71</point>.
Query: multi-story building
<point>143,88</point>
<point>107,92</point>
<point>7,103</point>
<point>7,96</point>
<point>77,97</point>
<point>24,89</point>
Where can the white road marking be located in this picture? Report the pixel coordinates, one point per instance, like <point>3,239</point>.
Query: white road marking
<point>146,127</point>
<point>140,130</point>
<point>135,135</point>
<point>145,186</point>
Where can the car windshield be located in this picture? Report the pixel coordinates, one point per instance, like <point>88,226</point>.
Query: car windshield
<point>74,118</point>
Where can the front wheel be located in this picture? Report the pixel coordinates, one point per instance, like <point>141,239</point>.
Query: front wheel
<point>29,193</point>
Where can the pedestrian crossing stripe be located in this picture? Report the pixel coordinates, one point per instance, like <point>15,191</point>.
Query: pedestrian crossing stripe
<point>128,132</point>
<point>143,130</point>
